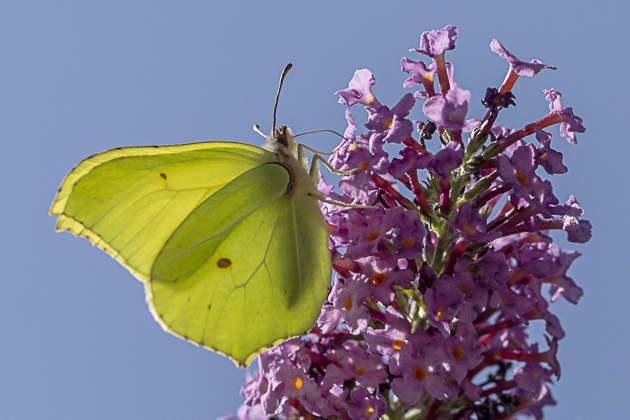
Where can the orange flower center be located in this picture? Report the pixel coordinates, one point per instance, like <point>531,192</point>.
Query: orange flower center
<point>419,373</point>
<point>360,370</point>
<point>379,278</point>
<point>347,304</point>
<point>408,242</point>
<point>373,235</point>
<point>398,344</point>
<point>458,352</point>
<point>440,314</point>
<point>522,178</point>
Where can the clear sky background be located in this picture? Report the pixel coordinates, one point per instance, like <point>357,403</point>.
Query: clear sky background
<point>76,78</point>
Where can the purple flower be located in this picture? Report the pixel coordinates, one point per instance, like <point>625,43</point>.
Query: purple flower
<point>493,271</point>
<point>475,294</point>
<point>388,341</point>
<point>333,393</point>
<point>291,382</point>
<point>471,390</point>
<point>449,111</point>
<point>446,160</point>
<point>359,89</point>
<point>347,306</point>
<point>393,121</point>
<point>578,231</point>
<point>533,407</point>
<point>443,305</point>
<point>561,284</point>
<point>520,172</point>
<point>420,73</point>
<point>412,159</point>
<point>367,229</point>
<point>522,68</point>
<point>366,406</point>
<point>552,323</point>
<point>571,124</point>
<point>462,351</point>
<point>532,377</point>
<point>549,159</point>
<point>418,374</point>
<point>379,276</point>
<point>434,43</point>
<point>472,225</point>
<point>367,370</point>
<point>408,232</point>
<point>512,304</point>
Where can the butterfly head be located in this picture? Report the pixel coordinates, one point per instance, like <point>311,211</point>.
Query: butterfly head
<point>283,136</point>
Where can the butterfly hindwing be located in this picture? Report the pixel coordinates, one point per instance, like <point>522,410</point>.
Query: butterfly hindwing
<point>248,267</point>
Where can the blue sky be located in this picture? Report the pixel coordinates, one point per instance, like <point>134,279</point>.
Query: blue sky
<point>77,78</point>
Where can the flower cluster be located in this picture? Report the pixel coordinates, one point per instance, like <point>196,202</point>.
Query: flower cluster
<point>436,281</point>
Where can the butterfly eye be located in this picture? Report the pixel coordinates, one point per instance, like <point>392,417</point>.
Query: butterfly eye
<point>283,141</point>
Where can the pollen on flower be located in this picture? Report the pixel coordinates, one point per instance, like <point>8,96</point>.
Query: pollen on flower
<point>388,123</point>
<point>364,167</point>
<point>398,344</point>
<point>419,373</point>
<point>354,147</point>
<point>369,412</point>
<point>452,118</point>
<point>379,278</point>
<point>469,231</point>
<point>347,304</point>
<point>297,384</point>
<point>360,370</point>
<point>543,157</point>
<point>458,352</point>
<point>466,293</point>
<point>505,300</point>
<point>373,235</point>
<point>522,178</point>
<point>408,242</point>
<point>440,314</point>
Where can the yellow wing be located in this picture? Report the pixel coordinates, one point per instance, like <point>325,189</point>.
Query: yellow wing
<point>128,201</point>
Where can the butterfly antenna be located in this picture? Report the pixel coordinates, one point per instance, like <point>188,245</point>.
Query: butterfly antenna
<point>275,106</point>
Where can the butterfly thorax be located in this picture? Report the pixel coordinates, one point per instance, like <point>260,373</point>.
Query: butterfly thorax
<point>282,144</point>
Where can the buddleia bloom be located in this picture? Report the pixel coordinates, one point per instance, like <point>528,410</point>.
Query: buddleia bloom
<point>445,266</point>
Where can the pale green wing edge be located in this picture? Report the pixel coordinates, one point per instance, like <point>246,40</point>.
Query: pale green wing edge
<point>248,269</point>
<point>195,171</point>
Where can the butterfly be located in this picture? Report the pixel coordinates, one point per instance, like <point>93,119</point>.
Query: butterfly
<point>228,238</point>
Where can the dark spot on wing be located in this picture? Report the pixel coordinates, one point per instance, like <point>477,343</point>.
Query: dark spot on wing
<point>163,175</point>
<point>224,263</point>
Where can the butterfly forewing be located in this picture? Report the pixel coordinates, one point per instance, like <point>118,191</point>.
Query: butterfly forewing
<point>129,201</point>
